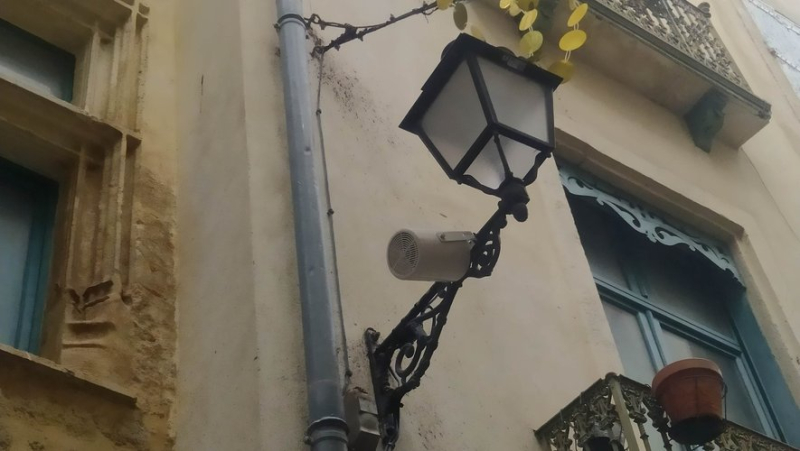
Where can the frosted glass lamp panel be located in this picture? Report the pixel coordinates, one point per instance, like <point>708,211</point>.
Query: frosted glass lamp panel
<point>487,168</point>
<point>739,405</point>
<point>520,157</point>
<point>455,119</point>
<point>518,101</point>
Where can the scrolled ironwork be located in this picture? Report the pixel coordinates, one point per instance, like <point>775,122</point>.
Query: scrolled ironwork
<point>659,420</point>
<point>641,408</point>
<point>398,363</point>
<point>634,402</point>
<point>654,226</point>
<point>590,414</point>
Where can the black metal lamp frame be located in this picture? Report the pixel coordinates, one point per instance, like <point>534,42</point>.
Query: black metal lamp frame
<point>467,50</point>
<point>398,362</point>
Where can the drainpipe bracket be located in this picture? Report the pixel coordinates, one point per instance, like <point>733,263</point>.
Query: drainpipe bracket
<point>327,428</point>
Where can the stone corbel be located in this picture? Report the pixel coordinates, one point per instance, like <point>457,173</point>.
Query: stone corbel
<point>706,118</point>
<point>96,339</point>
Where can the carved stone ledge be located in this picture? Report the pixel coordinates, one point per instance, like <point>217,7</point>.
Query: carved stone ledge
<point>10,358</point>
<point>106,15</point>
<point>60,123</point>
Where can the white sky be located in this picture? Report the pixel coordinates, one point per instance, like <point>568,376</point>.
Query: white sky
<point>782,35</point>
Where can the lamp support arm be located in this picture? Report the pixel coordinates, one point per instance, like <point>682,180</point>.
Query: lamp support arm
<point>398,363</point>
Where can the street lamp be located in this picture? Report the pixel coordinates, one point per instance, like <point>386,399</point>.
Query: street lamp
<point>487,117</point>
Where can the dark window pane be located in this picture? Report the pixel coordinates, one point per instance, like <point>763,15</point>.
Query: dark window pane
<point>598,240</point>
<point>681,285</point>
<point>630,343</point>
<point>35,63</point>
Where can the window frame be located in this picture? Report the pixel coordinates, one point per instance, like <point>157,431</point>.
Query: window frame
<point>57,55</point>
<point>635,299</point>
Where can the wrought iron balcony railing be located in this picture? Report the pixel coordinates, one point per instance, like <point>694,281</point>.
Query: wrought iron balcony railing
<point>622,414</point>
<point>682,25</point>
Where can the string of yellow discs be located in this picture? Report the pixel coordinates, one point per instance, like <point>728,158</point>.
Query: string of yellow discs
<point>532,40</point>
<point>571,41</point>
<point>460,16</point>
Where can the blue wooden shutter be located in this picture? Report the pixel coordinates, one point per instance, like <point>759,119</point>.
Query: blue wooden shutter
<point>27,213</point>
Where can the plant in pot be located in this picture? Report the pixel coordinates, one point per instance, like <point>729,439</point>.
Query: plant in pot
<point>691,393</point>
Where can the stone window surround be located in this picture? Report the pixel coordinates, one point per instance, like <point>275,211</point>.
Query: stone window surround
<point>89,146</point>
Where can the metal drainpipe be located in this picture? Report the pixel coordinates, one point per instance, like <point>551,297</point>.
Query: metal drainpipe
<point>327,429</point>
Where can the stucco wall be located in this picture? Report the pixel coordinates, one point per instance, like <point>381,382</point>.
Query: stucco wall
<point>518,345</point>
<point>240,379</point>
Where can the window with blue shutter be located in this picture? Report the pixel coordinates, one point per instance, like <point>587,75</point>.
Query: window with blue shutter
<point>27,213</point>
<point>669,294</point>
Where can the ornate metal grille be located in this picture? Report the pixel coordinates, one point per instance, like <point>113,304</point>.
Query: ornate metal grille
<point>683,26</point>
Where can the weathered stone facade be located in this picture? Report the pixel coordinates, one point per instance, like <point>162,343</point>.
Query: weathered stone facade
<point>106,376</point>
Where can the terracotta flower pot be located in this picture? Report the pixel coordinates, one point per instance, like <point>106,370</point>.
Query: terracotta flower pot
<point>691,391</point>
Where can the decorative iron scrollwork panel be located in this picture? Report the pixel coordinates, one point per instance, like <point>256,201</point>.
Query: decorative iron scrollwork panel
<point>656,228</point>
<point>398,363</point>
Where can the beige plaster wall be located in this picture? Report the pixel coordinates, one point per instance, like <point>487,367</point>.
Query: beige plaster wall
<point>519,345</point>
<point>240,372</point>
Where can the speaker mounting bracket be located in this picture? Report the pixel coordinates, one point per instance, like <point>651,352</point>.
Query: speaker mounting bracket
<point>398,363</point>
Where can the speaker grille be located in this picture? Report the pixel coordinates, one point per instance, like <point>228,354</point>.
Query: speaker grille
<point>403,254</point>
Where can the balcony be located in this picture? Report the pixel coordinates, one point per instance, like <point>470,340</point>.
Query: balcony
<point>623,410</point>
<point>669,51</point>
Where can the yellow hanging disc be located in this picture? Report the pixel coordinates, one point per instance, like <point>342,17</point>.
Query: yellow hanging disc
<point>514,9</point>
<point>563,69</point>
<point>577,15</point>
<point>530,43</point>
<point>528,19</point>
<point>505,4</point>
<point>460,16</point>
<point>443,4</point>
<point>572,40</point>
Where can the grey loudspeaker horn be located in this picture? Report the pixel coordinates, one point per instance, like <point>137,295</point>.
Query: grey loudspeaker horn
<point>430,256</point>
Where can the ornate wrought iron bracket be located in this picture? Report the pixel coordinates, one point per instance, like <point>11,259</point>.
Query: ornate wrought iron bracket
<point>398,362</point>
